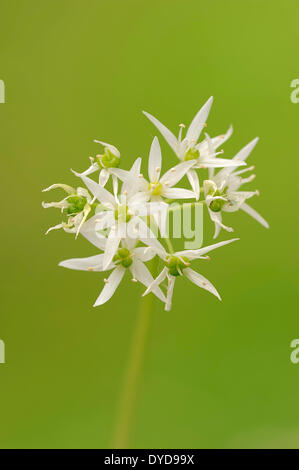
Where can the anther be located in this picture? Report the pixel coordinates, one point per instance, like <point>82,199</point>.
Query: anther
<point>90,269</point>
<point>106,280</point>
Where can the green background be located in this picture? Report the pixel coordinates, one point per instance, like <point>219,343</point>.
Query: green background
<point>214,374</point>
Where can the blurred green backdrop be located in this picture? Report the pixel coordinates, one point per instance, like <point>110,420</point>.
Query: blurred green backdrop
<point>215,374</point>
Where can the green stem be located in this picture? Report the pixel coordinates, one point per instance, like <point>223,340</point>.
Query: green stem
<point>136,355</point>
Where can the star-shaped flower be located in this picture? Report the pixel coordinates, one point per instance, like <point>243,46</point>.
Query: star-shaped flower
<point>202,154</point>
<point>222,192</point>
<point>178,264</point>
<point>128,257</point>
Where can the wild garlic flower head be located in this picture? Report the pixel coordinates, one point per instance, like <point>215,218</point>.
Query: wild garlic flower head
<point>126,218</point>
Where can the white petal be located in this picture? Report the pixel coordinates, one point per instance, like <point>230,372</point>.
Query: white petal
<point>68,189</point>
<point>216,217</point>
<point>157,281</point>
<point>112,244</point>
<point>111,285</point>
<point>193,254</point>
<point>170,287</point>
<point>110,147</point>
<point>220,139</point>
<point>175,174</point>
<point>143,275</point>
<point>245,151</point>
<point>200,281</point>
<point>194,181</point>
<point>198,122</point>
<point>103,177</point>
<point>246,208</point>
<point>218,163</point>
<point>100,193</point>
<point>93,167</point>
<point>167,134</point>
<point>160,216</point>
<point>131,183</point>
<point>144,253</point>
<point>154,161</point>
<point>55,227</point>
<point>138,229</point>
<point>178,193</point>
<point>92,263</point>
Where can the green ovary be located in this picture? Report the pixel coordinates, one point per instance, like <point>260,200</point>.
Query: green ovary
<point>76,204</point>
<point>155,188</point>
<point>123,257</point>
<point>217,204</point>
<point>192,154</point>
<point>108,160</point>
<point>175,265</point>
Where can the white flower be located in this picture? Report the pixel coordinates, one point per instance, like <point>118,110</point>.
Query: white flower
<point>159,187</point>
<point>121,213</point>
<point>127,257</point>
<point>222,192</point>
<point>104,162</point>
<point>177,264</point>
<point>202,154</point>
<point>77,205</point>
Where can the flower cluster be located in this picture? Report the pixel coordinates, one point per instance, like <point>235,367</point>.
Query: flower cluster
<point>127,224</point>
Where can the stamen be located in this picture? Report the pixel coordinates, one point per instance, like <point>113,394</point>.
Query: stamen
<point>90,269</point>
<point>140,175</point>
<point>106,281</point>
<point>133,279</point>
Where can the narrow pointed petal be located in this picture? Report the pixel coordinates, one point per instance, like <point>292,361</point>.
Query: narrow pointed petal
<point>154,161</point>
<point>245,151</point>
<point>249,210</point>
<point>175,174</point>
<point>103,177</point>
<point>92,263</point>
<point>167,134</point>
<point>92,226</point>
<point>144,253</point>
<point>111,285</point>
<point>178,193</point>
<point>198,122</point>
<point>219,163</point>
<point>68,189</point>
<point>193,254</point>
<point>112,244</point>
<point>100,193</point>
<point>221,139</point>
<point>170,288</point>
<point>156,282</point>
<point>194,182</point>
<point>143,275</point>
<point>200,281</point>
